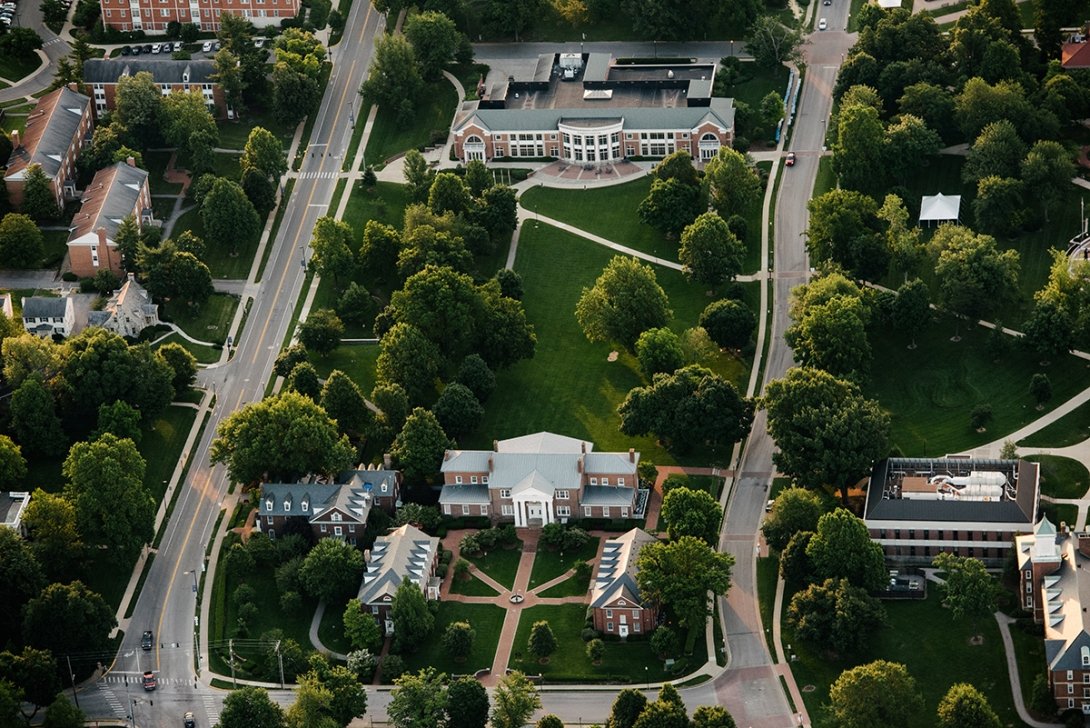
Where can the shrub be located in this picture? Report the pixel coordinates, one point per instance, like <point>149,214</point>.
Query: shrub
<point>588,634</point>
<point>243,593</point>
<point>393,667</point>
<point>677,480</point>
<point>470,545</point>
<point>596,648</point>
<point>461,569</point>
<point>362,664</point>
<point>506,535</point>
<point>441,570</point>
<point>582,569</point>
<point>291,602</point>
<point>664,642</point>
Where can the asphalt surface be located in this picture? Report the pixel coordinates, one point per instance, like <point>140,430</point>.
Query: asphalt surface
<point>28,14</point>
<point>167,602</point>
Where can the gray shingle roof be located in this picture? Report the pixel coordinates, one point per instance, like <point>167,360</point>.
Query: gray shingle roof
<point>109,199</point>
<point>721,112</point>
<point>109,70</point>
<point>405,553</point>
<point>35,307</point>
<point>50,128</point>
<point>467,494</point>
<point>608,495</point>
<point>616,575</point>
<point>381,483</point>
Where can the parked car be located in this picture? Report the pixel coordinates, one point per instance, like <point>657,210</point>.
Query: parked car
<point>177,46</point>
<point>136,50</point>
<point>147,47</point>
<point>789,162</point>
<point>126,50</point>
<point>768,506</point>
<point>146,639</point>
<point>188,721</point>
<point>150,681</point>
<point>206,46</point>
<point>216,46</point>
<point>827,2</point>
<point>823,24</point>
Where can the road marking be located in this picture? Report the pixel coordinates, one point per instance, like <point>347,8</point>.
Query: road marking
<point>113,701</point>
<point>210,709</point>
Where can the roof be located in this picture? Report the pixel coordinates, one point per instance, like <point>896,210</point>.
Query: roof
<point>111,197</point>
<point>316,501</point>
<point>616,575</point>
<point>109,70</point>
<point>36,307</point>
<point>464,494</point>
<point>1013,503</point>
<point>12,505</point>
<point>405,553</point>
<point>720,113</point>
<point>940,206</point>
<point>50,128</point>
<point>1075,55</point>
<point>380,483</point>
<point>130,298</point>
<point>1064,592</point>
<point>607,495</point>
<point>6,305</point>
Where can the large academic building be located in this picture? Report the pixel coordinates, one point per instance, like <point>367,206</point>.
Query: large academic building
<point>153,16</point>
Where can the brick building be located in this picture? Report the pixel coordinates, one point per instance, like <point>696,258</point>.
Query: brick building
<point>1054,582</point>
<point>615,598</point>
<point>101,75</point>
<point>541,478</point>
<point>128,311</point>
<point>55,132</point>
<point>153,16</point>
<point>405,554</point>
<point>918,508</point>
<point>590,109</point>
<point>115,193</point>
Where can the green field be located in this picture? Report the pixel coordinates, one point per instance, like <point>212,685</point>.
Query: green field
<point>569,386</point>
<point>54,247</point>
<point>14,68</point>
<point>1062,477</point>
<point>433,114</point>
<point>233,134</point>
<point>355,360</point>
<point>486,620</point>
<point>757,82</point>
<point>471,586</point>
<point>331,629</point>
<point>203,354</point>
<point>550,564</point>
<point>220,260</point>
<point>1072,428</point>
<point>385,203</point>
<point>501,564</point>
<point>210,322</point>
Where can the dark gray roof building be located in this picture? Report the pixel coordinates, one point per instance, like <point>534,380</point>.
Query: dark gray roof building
<point>163,71</point>
<point>406,553</point>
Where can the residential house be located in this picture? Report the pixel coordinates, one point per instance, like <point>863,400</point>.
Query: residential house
<point>101,76</point>
<point>55,132</point>
<point>49,317</point>
<point>12,507</point>
<point>615,597</point>
<point>115,193</point>
<point>6,306</point>
<point>917,508</point>
<point>588,109</point>
<point>406,553</point>
<point>128,311</point>
<point>330,510</point>
<point>541,478</point>
<point>1054,583</point>
<point>153,16</point>
<point>1075,51</point>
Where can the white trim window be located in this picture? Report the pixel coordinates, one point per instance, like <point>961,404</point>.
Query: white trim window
<point>473,480</point>
<point>337,531</point>
<point>446,509</point>
<point>605,511</point>
<point>609,614</point>
<point>562,495</point>
<point>586,511</point>
<point>564,511</point>
<point>505,492</point>
<point>605,480</point>
<point>484,509</point>
<point>620,481</point>
<point>465,509</point>
<point>624,512</point>
<point>484,479</point>
<point>507,509</point>
<point>594,481</point>
<point>457,479</point>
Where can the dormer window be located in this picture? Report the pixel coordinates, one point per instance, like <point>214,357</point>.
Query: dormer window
<point>287,505</point>
<point>305,505</point>
<point>268,504</point>
<point>336,517</point>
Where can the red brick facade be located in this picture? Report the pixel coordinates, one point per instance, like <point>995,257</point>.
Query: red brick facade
<point>153,16</point>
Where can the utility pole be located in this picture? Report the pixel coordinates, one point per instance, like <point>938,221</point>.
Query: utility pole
<point>72,676</point>
<point>231,656</point>
<point>280,659</point>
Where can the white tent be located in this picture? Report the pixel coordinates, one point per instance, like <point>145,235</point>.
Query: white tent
<point>940,208</point>
<point>889,3</point>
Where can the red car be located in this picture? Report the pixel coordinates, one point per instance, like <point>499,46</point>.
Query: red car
<point>150,681</point>
<point>790,160</point>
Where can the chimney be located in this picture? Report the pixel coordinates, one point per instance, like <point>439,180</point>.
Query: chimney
<point>495,446</point>
<point>583,447</point>
<point>101,237</point>
<point>491,464</point>
<point>73,86</point>
<point>579,465</point>
<point>132,277</point>
<point>631,454</point>
<point>446,455</point>
<point>130,161</point>
<point>15,138</point>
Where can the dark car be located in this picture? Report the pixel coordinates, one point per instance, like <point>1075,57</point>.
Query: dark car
<point>136,50</point>
<point>150,681</point>
<point>126,50</point>
<point>146,639</point>
<point>188,721</point>
<point>147,47</point>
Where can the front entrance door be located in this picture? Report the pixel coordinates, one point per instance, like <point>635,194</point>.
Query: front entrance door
<point>622,630</point>
<point>534,511</point>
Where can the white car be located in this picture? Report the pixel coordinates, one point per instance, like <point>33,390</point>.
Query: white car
<point>823,24</point>
<point>207,46</point>
<point>157,48</point>
<point>259,42</point>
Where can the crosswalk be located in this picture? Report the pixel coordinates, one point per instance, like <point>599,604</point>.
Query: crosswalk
<point>113,701</point>
<point>319,175</point>
<point>133,678</point>
<point>210,709</point>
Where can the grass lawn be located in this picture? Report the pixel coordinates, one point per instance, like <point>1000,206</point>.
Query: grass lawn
<point>331,629</point>
<point>931,390</point>
<point>233,134</point>
<point>550,564</point>
<point>108,574</point>
<point>355,360</point>
<point>1060,513</point>
<point>14,68</point>
<point>826,177</point>
<point>1062,477</point>
<point>210,322</point>
<point>1068,430</point>
<point>54,246</point>
<point>500,563</point>
<point>156,163</point>
<point>389,136</point>
<point>486,620</point>
<point>1029,650</point>
<point>219,259</point>
<point>161,447</point>
<point>712,484</point>
<point>569,662</point>
<point>768,572</point>
<point>385,203</point>
<point>569,386</point>
<point>573,586</point>
<point>932,645</point>
<point>203,354</point>
<point>757,82</point>
<point>471,586</point>
<point>328,296</point>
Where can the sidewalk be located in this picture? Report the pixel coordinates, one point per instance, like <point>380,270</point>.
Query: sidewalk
<point>1012,671</point>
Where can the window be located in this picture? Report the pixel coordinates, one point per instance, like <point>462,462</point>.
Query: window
<point>336,518</point>
<point>594,481</point>
<point>624,512</point>
<point>458,479</point>
<point>484,479</point>
<point>305,505</point>
<point>323,528</point>
<point>561,495</point>
<point>507,510</point>
<point>473,479</point>
<point>1070,675</point>
<point>1085,656</point>
<point>465,509</point>
<point>609,626</point>
<point>374,610</point>
<point>620,481</point>
<point>586,511</point>
<point>268,504</point>
<point>287,505</point>
<point>1071,702</point>
<point>446,509</point>
<point>268,522</point>
<point>484,510</point>
<point>563,511</point>
<point>1070,689</point>
<point>605,481</point>
<point>505,492</point>
<point>609,614</point>
<point>337,531</point>
<point>166,13</point>
<point>351,528</point>
<point>605,511</point>
<point>1029,587</point>
<point>636,626</point>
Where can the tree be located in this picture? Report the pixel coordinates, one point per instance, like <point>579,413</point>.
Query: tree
<point>659,350</point>
<point>1047,170</point>
<point>434,39</point>
<point>62,714</point>
<point>360,628</point>
<point>283,438</point>
<point>458,640</point>
<point>679,574</point>
<point>229,76</point>
<point>912,308</point>
<point>311,706</point>
<point>999,207</point>
<point>670,206</point>
<point>909,142</point>
<point>322,331</point>
<point>418,176</point>
<point>448,194</point>
<point>712,716</point>
<point>20,42</point>
<point>408,358</point>
<point>412,619</point>
<point>733,182</point>
<point>34,418</point>
<point>497,212</point>
<point>419,447</point>
<point>844,228</point>
<point>832,336</point>
<point>688,512</point>
<point>139,108</point>
<point>504,334</point>
<point>627,707</point>
<point>23,575</point>
<point>52,533</point>
<point>394,80</point>
<point>418,700</point>
<point>625,301</point>
<point>996,152</point>
<point>263,153</point>
<point>106,486</point>
<point>182,363</point>
<point>444,305</point>
<point>512,16</point>
<point>596,649</point>
<point>344,699</point>
<point>968,589</point>
<point>729,323</point>
<point>186,119</point>
<point>974,276</point>
<point>356,305</point>
<point>859,149</point>
<point>689,407</point>
<point>343,401</point>
<point>795,509</point>
<point>331,252</point>
<point>980,103</point>
<point>392,403</point>
<point>229,217</point>
<point>177,275</point>
<point>34,674</point>
<point>12,463</point>
<point>964,706</point>
<point>1040,388</point>
<point>842,548</point>
<point>296,87</point>
<point>771,43</point>
<point>67,618</point>
<point>550,720</point>
<point>20,242</point>
<point>424,246</point>
<point>836,615</point>
<point>38,200</point>
<point>710,252</point>
<point>467,703</point>
<point>332,570</point>
<point>478,178</point>
<point>118,419</point>
<point>663,714</point>
<point>475,374</point>
<point>827,433</point>
<point>514,701</point>
<point>877,693</point>
<point>542,642</point>
<point>458,410</point>
<point>249,706</point>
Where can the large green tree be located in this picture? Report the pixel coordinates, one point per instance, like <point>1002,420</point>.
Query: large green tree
<point>264,152</point>
<point>68,618</point>
<point>458,410</point>
<point>836,615</point>
<point>20,242</point>
<point>514,701</point>
<point>670,205</point>
<point>795,509</point>
<point>12,463</point>
<point>419,447</point>
<point>331,570</point>
<point>832,335</point>
<point>625,301</point>
<point>733,183</point>
<point>771,43</point>
<point>467,703</point>
<point>34,420</point>
<point>996,152</point>
<point>842,549</point>
<point>877,693</point>
<point>678,574</point>
<point>688,512</point>
<point>974,275</point>
<point>53,531</point>
<point>394,80</point>
<point>296,76</point>
<point>22,574</point>
<point>408,358</point>
<point>1047,170</point>
<point>39,202</point>
<point>968,589</point>
<point>330,245</point>
<point>229,218</point>
<point>413,621</point>
<point>859,149</point>
<point>187,122</point>
<point>250,706</point>
<point>710,252</point>
<point>344,402</point>
<point>139,108</point>
<point>106,486</point>
<point>418,700</point>
<point>844,228</point>
<point>434,39</point>
<point>100,367</point>
<point>964,706</point>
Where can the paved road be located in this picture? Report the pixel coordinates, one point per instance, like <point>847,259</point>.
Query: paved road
<point>167,603</point>
<point>29,15</point>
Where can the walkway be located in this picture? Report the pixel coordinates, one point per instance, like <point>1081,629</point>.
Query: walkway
<point>316,640</point>
<point>1012,671</point>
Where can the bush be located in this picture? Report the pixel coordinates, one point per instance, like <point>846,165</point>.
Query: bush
<point>677,480</point>
<point>470,545</point>
<point>461,569</point>
<point>595,650</point>
<point>441,570</point>
<point>446,556</point>
<point>291,602</point>
<point>588,634</point>
<point>393,667</point>
<point>362,664</point>
<point>582,569</point>
<point>244,593</point>
<point>69,277</point>
<point>664,642</point>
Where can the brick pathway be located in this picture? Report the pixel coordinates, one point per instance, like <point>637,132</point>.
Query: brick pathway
<point>665,471</point>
